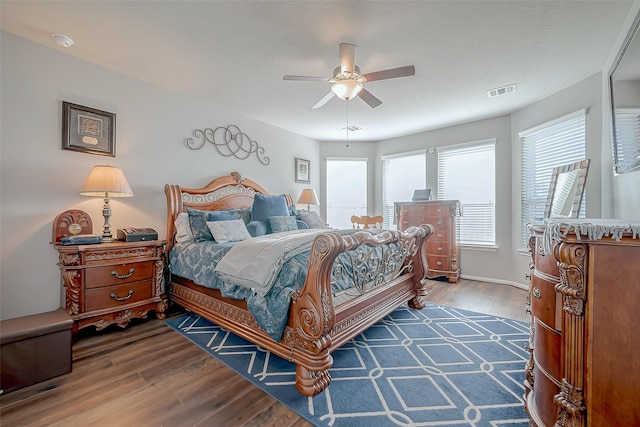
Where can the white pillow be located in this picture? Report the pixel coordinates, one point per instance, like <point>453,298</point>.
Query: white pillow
<point>228,231</point>
<point>183,228</point>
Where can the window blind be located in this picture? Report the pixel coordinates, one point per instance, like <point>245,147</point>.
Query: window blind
<point>626,152</point>
<point>467,173</point>
<point>401,174</point>
<point>552,144</point>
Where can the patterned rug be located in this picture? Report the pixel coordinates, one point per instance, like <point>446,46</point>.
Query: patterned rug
<point>439,366</point>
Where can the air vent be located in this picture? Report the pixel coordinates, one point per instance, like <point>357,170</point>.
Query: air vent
<point>352,128</point>
<point>501,90</point>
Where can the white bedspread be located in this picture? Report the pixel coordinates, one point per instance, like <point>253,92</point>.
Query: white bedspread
<point>255,263</point>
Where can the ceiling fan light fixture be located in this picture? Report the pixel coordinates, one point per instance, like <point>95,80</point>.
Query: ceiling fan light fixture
<point>346,89</point>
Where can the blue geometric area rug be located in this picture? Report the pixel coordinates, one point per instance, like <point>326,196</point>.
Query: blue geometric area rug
<point>439,366</point>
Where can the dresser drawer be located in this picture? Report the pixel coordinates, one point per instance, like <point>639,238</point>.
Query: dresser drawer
<point>120,273</point>
<point>546,349</point>
<point>114,296</point>
<point>440,235</point>
<point>438,248</point>
<point>546,303</point>
<point>437,222</point>
<point>436,262</point>
<point>544,390</point>
<point>429,210</point>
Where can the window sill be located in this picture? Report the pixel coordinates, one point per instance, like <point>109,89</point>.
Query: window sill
<point>484,248</point>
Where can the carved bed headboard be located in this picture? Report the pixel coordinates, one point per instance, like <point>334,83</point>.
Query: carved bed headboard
<point>233,191</point>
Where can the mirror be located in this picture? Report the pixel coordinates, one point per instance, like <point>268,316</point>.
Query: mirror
<point>624,83</point>
<point>566,190</point>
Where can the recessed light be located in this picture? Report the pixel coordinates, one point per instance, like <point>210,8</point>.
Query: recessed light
<point>63,40</point>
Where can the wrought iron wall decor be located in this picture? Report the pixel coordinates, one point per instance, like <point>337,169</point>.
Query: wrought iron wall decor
<point>228,141</point>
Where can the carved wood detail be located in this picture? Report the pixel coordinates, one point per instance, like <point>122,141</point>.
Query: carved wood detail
<point>572,267</point>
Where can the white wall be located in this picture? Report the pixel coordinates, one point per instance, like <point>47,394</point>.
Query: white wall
<point>39,180</point>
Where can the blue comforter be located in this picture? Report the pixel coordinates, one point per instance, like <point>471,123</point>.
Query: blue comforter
<point>198,261</point>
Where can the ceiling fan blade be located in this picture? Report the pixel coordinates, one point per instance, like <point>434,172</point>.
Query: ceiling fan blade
<point>391,73</point>
<point>323,100</point>
<point>305,78</point>
<point>367,97</point>
<point>347,57</point>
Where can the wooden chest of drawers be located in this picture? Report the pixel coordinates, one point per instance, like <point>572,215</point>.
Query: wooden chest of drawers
<point>584,365</point>
<point>112,282</point>
<point>443,250</point>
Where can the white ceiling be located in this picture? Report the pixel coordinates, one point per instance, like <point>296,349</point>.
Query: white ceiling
<point>235,53</point>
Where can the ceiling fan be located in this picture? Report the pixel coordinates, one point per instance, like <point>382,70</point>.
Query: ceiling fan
<point>348,81</point>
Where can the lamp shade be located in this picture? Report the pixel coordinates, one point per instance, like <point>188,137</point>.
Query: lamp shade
<point>105,179</point>
<point>308,197</point>
<point>346,89</point>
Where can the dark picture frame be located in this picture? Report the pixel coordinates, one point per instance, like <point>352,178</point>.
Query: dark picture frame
<point>303,171</point>
<point>88,130</point>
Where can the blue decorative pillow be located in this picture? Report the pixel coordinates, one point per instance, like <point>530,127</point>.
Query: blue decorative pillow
<point>198,222</point>
<point>257,228</point>
<point>243,214</point>
<point>265,206</point>
<point>312,219</point>
<point>217,216</point>
<point>282,223</point>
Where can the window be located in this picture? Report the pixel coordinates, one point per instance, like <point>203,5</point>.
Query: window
<point>401,174</point>
<point>467,173</point>
<point>346,190</point>
<point>545,147</point>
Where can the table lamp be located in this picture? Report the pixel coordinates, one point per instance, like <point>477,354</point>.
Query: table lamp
<point>106,181</point>
<point>308,197</point>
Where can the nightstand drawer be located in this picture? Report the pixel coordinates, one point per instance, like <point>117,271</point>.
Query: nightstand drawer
<point>114,296</point>
<point>120,273</point>
<point>438,262</point>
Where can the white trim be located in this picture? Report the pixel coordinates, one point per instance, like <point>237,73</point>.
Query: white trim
<point>498,281</point>
<point>405,154</point>
<point>482,248</point>
<point>578,113</point>
<point>346,159</point>
<point>446,148</point>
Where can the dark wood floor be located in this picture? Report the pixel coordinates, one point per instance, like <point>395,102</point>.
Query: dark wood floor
<point>148,375</point>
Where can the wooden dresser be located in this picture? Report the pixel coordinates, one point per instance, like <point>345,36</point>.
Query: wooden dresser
<point>443,250</point>
<point>110,283</point>
<point>584,368</point>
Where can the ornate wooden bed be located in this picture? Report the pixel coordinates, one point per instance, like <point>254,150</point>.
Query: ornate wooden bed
<point>315,326</point>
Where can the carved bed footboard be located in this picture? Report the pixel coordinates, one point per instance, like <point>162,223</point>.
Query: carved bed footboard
<point>316,323</point>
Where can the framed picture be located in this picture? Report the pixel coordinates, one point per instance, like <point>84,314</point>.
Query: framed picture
<point>88,130</point>
<point>302,170</point>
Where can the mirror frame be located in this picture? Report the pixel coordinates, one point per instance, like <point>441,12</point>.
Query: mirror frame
<point>583,166</point>
<point>634,34</point>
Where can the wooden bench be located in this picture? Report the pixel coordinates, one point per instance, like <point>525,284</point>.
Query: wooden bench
<point>34,348</point>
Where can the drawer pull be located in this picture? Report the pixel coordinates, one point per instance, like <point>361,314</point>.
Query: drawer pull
<point>117,298</point>
<point>440,248</point>
<point>126,276</point>
<point>439,262</point>
<point>537,293</point>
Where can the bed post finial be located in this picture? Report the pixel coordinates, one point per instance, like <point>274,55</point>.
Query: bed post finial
<point>238,177</point>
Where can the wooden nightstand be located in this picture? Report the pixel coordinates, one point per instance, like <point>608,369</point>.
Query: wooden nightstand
<point>114,282</point>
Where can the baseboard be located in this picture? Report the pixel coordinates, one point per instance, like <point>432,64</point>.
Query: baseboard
<point>498,281</point>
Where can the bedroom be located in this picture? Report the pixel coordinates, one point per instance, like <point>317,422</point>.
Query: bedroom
<point>39,180</point>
